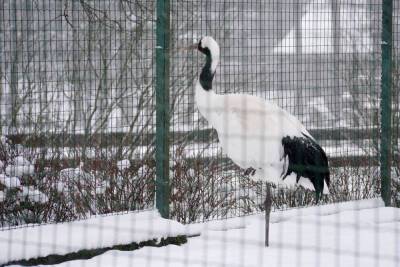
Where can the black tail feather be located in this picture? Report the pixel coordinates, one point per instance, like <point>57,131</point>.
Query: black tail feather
<point>308,160</point>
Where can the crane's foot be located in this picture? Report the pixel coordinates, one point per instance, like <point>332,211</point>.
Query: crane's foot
<point>267,206</point>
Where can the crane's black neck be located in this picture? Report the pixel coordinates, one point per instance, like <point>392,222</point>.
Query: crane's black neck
<point>207,74</point>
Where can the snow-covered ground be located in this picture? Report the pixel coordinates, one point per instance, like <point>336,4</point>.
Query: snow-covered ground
<point>361,233</point>
<point>93,233</point>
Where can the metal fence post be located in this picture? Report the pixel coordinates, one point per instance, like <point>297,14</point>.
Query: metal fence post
<point>162,106</point>
<point>386,101</point>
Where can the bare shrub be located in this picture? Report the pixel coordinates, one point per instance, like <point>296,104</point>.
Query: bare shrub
<point>396,134</point>
<point>56,192</point>
<point>202,190</point>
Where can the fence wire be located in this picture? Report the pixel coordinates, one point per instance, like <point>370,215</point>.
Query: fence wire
<point>320,60</point>
<point>77,102</point>
<point>396,106</point>
<point>79,135</point>
<point>77,109</point>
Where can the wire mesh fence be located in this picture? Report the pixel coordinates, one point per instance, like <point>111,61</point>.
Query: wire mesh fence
<point>396,106</point>
<point>77,109</point>
<point>77,102</point>
<point>320,60</point>
<point>100,114</point>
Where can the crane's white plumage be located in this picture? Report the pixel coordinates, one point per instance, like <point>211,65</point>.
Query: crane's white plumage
<point>258,134</point>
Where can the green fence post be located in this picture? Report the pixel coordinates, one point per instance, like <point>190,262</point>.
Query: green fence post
<point>162,107</point>
<point>386,101</point>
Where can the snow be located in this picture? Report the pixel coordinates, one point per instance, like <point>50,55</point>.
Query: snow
<point>60,187</point>
<point>19,170</point>
<point>101,187</point>
<point>21,161</point>
<point>3,139</point>
<point>10,182</point>
<point>123,164</point>
<point>98,232</point>
<point>74,174</point>
<point>317,34</point>
<point>115,118</point>
<point>34,195</point>
<point>143,170</point>
<point>359,233</point>
<point>21,166</point>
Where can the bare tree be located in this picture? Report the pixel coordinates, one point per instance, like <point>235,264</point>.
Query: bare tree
<point>75,72</point>
<point>2,21</point>
<point>28,58</point>
<point>101,96</point>
<point>126,102</point>
<point>16,50</point>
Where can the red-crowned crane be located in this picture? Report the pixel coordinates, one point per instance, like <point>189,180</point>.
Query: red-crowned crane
<point>266,141</point>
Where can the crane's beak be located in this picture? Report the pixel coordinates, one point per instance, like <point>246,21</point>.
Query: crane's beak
<point>192,47</point>
<point>188,48</point>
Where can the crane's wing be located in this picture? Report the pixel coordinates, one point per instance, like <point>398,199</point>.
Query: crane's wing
<point>250,131</point>
<point>255,114</point>
<point>277,144</point>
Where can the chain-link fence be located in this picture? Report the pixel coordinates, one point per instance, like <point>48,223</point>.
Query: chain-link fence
<point>78,113</point>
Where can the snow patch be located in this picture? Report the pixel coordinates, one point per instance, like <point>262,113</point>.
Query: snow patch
<point>98,232</point>
<point>20,166</point>
<point>143,170</point>
<point>10,182</point>
<point>34,195</point>
<point>358,233</point>
<point>74,174</point>
<point>16,170</point>
<point>317,34</point>
<point>21,161</point>
<point>123,164</point>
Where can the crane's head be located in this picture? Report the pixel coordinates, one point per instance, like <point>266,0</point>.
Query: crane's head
<point>209,47</point>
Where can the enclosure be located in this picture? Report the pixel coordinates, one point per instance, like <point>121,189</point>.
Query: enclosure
<point>97,110</point>
<point>98,117</point>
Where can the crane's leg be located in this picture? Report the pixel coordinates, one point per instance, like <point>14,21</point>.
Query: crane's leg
<point>267,205</point>
<point>317,197</point>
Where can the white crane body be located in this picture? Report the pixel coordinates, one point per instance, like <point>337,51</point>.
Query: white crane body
<point>259,136</point>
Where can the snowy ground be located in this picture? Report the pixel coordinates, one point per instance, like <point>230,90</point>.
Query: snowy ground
<point>362,233</point>
<point>98,232</point>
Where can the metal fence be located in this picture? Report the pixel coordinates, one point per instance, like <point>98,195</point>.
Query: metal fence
<point>395,175</point>
<point>81,133</point>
